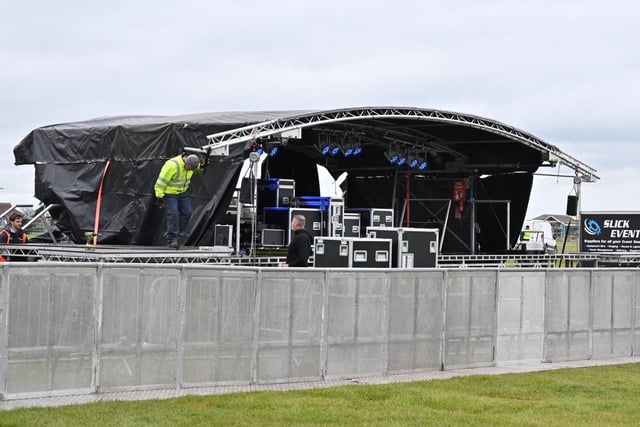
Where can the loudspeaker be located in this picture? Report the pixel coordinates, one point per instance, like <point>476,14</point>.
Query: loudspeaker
<point>246,190</point>
<point>572,205</point>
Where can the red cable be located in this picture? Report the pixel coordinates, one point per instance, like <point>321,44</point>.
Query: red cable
<point>98,203</point>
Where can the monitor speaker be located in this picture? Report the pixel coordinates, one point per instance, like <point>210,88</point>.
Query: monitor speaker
<point>572,205</point>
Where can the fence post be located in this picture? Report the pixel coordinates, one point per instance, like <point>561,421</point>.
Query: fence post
<point>180,320</point>
<point>253,376</point>
<point>443,314</point>
<point>4,329</point>
<point>387,322</point>
<point>324,327</point>
<point>634,318</point>
<point>97,327</point>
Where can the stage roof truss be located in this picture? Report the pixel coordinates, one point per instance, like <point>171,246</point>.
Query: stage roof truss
<point>280,126</point>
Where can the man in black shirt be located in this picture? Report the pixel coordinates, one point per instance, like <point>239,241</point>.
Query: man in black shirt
<point>300,246</point>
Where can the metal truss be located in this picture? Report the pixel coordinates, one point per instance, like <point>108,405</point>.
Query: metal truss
<point>517,260</point>
<point>287,124</point>
<point>222,256</point>
<point>119,254</point>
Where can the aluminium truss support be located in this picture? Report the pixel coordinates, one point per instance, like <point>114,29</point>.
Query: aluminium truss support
<point>280,127</point>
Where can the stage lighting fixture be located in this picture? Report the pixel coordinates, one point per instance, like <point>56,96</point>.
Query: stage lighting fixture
<point>394,158</point>
<point>402,160</point>
<point>335,150</point>
<point>414,163</point>
<point>357,151</point>
<point>324,143</point>
<point>259,150</point>
<point>274,151</point>
<point>423,165</point>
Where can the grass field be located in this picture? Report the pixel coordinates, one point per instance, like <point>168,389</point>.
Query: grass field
<point>596,396</point>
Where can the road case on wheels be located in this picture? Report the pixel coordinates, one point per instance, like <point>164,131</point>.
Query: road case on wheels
<point>373,217</point>
<point>351,226</point>
<point>412,247</point>
<point>349,252</point>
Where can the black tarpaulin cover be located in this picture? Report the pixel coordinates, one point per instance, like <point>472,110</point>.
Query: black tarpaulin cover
<point>70,160</point>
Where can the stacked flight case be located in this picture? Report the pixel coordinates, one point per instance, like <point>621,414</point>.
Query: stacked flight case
<point>275,192</point>
<point>352,252</point>
<point>412,247</point>
<point>332,212</point>
<point>372,217</point>
<point>351,226</point>
<point>314,221</point>
<point>280,218</point>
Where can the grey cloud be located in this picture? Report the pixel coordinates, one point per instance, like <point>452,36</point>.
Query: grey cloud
<point>563,71</point>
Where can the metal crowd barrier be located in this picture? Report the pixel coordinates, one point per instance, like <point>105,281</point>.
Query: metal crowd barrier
<point>69,328</point>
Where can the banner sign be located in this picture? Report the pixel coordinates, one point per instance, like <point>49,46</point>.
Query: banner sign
<point>610,232</point>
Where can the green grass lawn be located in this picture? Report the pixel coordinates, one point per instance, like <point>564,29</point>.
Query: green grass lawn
<point>598,396</point>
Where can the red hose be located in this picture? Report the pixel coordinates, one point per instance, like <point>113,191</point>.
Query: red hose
<point>98,204</point>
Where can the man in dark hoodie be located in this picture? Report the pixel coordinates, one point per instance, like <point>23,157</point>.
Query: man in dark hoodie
<point>300,246</point>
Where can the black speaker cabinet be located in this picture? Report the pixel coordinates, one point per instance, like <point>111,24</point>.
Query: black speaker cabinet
<point>572,205</point>
<point>246,190</point>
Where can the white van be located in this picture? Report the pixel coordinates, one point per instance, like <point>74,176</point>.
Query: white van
<point>537,237</point>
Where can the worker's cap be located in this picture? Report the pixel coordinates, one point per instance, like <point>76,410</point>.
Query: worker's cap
<point>192,161</point>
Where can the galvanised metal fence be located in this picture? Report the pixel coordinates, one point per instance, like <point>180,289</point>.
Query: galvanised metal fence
<point>69,328</point>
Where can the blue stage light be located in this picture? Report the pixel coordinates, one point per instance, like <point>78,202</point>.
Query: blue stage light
<point>357,150</point>
<point>259,150</point>
<point>348,152</point>
<point>325,150</point>
<point>335,150</point>
<point>402,161</point>
<point>423,165</point>
<point>274,151</point>
<point>394,158</point>
<point>414,163</point>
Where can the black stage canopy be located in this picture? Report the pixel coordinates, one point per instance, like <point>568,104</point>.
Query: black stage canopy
<point>490,162</point>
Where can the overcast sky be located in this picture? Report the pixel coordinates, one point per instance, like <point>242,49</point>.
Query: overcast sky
<point>567,72</point>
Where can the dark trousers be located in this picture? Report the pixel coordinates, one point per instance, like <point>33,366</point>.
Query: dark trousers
<point>178,208</point>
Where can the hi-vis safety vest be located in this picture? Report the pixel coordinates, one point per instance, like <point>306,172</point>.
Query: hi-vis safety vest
<point>4,231</point>
<point>174,178</point>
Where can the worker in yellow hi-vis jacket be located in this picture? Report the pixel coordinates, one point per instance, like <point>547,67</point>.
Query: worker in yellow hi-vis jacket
<point>171,193</point>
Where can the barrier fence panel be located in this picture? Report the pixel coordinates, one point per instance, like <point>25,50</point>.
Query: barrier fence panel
<point>290,325</point>
<point>415,320</point>
<point>357,310</point>
<point>470,318</point>
<point>49,329</point>
<point>613,298</point>
<point>219,326</point>
<point>567,316</point>
<point>635,337</point>
<point>67,328</point>
<point>138,339</point>
<point>520,327</point>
